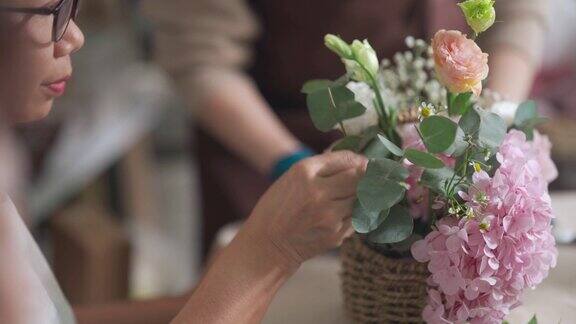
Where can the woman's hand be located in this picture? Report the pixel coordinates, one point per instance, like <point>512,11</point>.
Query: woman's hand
<point>305,213</point>
<point>308,211</point>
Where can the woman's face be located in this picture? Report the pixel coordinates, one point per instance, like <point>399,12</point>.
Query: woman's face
<point>33,69</point>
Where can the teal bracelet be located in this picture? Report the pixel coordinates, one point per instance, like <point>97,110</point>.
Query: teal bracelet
<point>285,163</point>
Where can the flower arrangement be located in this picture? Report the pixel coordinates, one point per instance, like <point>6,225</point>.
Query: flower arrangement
<point>450,182</point>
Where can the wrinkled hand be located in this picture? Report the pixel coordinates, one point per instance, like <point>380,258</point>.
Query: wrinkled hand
<point>308,211</point>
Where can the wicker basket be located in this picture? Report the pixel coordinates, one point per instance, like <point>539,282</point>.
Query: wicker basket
<point>378,289</point>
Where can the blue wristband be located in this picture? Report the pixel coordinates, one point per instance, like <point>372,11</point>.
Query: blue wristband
<point>284,163</point>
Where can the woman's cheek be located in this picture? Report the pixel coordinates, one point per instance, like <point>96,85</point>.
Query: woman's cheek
<point>24,98</point>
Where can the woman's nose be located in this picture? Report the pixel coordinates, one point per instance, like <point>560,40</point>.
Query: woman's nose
<point>71,42</point>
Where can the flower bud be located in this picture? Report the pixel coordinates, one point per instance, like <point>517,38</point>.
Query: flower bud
<point>338,46</point>
<point>480,14</point>
<point>364,65</point>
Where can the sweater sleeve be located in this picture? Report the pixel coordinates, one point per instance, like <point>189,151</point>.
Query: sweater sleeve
<point>204,45</point>
<point>521,25</point>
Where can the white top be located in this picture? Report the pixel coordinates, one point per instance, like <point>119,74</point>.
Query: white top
<point>29,293</point>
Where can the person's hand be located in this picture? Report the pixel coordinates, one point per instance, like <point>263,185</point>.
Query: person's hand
<point>308,210</point>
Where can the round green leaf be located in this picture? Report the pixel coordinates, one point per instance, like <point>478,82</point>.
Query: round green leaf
<point>348,143</point>
<point>376,150</point>
<point>364,221</point>
<point>380,187</point>
<point>329,106</point>
<point>423,159</point>
<point>438,133</point>
<point>470,122</point>
<point>492,130</point>
<point>525,112</point>
<point>438,179</point>
<point>459,146</point>
<point>390,146</point>
<point>397,227</point>
<point>315,85</point>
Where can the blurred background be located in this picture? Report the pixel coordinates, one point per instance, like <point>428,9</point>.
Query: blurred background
<point>119,197</point>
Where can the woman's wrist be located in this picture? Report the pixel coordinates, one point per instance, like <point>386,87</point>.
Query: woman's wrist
<point>285,162</point>
<point>264,248</point>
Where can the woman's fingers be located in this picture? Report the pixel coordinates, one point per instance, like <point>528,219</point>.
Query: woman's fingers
<point>341,185</point>
<point>342,209</point>
<point>336,162</point>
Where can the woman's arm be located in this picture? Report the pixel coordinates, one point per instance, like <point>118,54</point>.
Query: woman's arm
<point>305,213</point>
<point>235,113</point>
<point>239,285</point>
<point>512,74</point>
<point>205,45</point>
<point>515,44</point>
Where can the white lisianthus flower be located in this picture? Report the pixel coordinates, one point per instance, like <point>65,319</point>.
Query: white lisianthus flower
<point>364,65</point>
<point>506,110</point>
<point>364,95</point>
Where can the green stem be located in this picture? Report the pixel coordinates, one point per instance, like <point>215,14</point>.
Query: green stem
<point>381,108</point>
<point>379,98</point>
<point>465,164</point>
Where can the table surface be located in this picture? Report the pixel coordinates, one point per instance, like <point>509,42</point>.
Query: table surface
<point>313,295</point>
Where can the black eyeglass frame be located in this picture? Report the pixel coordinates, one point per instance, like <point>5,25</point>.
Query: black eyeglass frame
<point>55,11</point>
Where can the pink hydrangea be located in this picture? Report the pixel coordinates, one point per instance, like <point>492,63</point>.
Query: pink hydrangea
<point>480,266</point>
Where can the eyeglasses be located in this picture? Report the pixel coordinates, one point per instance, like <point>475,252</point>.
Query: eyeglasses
<point>63,12</point>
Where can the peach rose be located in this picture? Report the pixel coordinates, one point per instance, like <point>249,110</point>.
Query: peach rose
<point>460,63</point>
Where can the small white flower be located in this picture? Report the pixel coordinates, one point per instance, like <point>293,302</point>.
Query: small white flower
<point>426,110</point>
<point>420,43</point>
<point>409,56</point>
<point>410,42</point>
<point>506,110</point>
<point>364,95</point>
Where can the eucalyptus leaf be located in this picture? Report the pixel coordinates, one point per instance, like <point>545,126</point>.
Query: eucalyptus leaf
<point>365,221</point>
<point>376,150</point>
<point>492,130</point>
<point>530,125</point>
<point>438,179</point>
<point>527,118</point>
<point>470,122</point>
<point>390,146</point>
<point>380,188</point>
<point>423,159</point>
<point>534,320</point>
<point>332,105</point>
<point>316,85</point>
<point>459,146</point>
<point>438,133</point>
<point>348,143</point>
<point>525,112</point>
<point>487,128</point>
<point>396,227</point>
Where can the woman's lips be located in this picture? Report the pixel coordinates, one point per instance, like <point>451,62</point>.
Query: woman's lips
<point>57,88</point>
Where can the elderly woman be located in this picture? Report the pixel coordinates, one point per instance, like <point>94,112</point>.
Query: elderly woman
<point>303,214</point>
